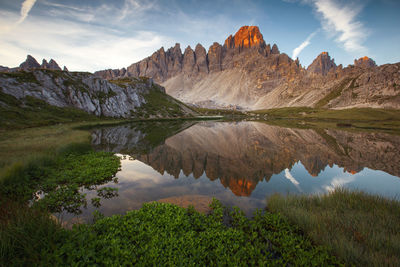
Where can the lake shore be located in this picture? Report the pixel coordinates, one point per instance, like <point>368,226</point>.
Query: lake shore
<point>282,234</point>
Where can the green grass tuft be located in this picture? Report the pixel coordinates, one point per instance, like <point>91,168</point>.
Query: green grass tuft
<point>360,229</point>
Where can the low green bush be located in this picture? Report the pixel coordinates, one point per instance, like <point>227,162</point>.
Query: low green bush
<point>165,234</point>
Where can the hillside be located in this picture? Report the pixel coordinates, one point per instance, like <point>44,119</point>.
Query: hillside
<point>27,94</point>
<point>248,73</point>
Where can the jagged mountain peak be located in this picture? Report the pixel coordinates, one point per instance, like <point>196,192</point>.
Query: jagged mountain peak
<point>29,63</point>
<point>364,62</point>
<point>245,37</point>
<point>322,64</point>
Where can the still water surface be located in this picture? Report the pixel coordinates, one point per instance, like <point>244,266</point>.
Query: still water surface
<point>240,163</point>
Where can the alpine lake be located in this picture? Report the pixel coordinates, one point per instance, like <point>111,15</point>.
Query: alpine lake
<point>240,163</point>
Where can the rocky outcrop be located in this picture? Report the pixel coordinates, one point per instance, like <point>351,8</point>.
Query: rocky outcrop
<point>248,73</point>
<point>364,62</point>
<point>189,60</point>
<point>245,37</point>
<point>201,59</point>
<point>322,64</point>
<point>215,57</point>
<point>120,98</point>
<point>52,65</point>
<point>29,63</point>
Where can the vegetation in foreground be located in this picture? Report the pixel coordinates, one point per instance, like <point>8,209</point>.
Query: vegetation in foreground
<point>360,229</point>
<point>161,233</point>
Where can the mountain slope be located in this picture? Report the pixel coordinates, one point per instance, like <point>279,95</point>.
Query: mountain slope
<point>120,98</point>
<point>247,73</point>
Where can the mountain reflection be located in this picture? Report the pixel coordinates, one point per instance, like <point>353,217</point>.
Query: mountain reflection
<point>241,154</point>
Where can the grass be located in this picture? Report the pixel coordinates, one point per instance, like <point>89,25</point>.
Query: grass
<point>336,92</point>
<point>28,235</point>
<point>32,112</point>
<point>360,229</point>
<point>222,112</point>
<point>165,234</point>
<point>59,177</point>
<point>387,120</point>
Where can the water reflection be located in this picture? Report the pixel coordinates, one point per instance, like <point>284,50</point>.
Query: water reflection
<point>241,163</point>
<point>242,154</point>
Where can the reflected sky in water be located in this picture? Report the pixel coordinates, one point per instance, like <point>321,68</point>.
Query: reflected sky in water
<point>241,164</point>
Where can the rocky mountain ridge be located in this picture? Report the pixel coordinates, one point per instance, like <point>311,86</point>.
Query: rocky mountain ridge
<point>247,73</point>
<point>30,64</point>
<point>123,98</point>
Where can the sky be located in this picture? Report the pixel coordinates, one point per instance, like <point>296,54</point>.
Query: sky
<point>90,35</point>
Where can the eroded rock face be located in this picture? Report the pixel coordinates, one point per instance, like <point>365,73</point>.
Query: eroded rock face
<point>322,64</point>
<point>189,60</point>
<point>81,90</point>
<point>215,57</point>
<point>201,59</point>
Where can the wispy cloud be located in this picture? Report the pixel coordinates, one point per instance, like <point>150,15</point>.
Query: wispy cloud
<point>290,177</point>
<point>25,8</point>
<point>78,46</point>
<point>303,45</point>
<point>340,20</point>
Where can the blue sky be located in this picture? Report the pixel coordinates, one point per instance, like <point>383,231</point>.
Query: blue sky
<point>92,35</point>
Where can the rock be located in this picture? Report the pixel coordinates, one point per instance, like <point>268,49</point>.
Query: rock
<point>189,60</point>
<point>201,59</point>
<point>215,57</point>
<point>4,69</point>
<point>52,65</point>
<point>80,90</point>
<point>322,64</point>
<point>365,62</point>
<point>275,50</point>
<point>29,63</point>
<point>245,37</point>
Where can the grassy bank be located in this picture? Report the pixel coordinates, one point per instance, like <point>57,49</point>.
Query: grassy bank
<point>32,112</point>
<point>387,120</point>
<point>360,229</point>
<point>27,234</point>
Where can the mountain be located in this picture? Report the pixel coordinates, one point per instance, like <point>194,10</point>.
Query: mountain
<point>246,72</point>
<point>122,98</point>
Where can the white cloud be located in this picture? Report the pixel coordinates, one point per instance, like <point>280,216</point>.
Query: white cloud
<point>79,46</point>
<point>340,20</point>
<point>303,45</point>
<point>339,182</point>
<point>25,8</point>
